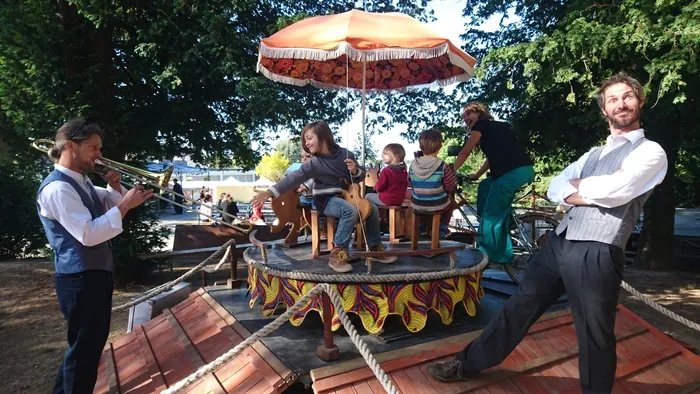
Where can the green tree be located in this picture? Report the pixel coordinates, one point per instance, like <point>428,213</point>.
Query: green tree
<point>290,148</point>
<point>542,71</point>
<point>272,166</point>
<point>163,79</point>
<point>370,150</point>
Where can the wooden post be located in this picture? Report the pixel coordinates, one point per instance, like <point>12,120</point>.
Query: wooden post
<point>393,225</point>
<point>315,235</point>
<point>327,351</point>
<point>435,232</point>
<point>330,232</point>
<point>414,231</point>
<point>234,267</point>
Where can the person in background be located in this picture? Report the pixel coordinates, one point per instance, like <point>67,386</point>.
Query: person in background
<point>206,208</point>
<point>393,179</point>
<point>80,220</point>
<point>177,188</point>
<point>222,198</point>
<point>230,207</point>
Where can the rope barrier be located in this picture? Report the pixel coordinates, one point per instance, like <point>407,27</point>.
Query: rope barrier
<point>364,278</point>
<point>225,250</point>
<point>654,305</point>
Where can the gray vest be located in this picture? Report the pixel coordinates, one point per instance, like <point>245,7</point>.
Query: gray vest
<point>611,226</point>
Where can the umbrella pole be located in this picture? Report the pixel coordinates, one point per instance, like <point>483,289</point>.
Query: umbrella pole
<point>364,101</point>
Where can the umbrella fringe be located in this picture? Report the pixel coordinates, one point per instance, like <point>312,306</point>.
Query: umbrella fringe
<point>366,55</point>
<point>303,82</point>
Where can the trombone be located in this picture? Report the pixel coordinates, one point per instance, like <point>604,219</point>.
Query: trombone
<point>159,181</point>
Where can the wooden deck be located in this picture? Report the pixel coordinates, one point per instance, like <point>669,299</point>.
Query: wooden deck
<point>545,362</point>
<point>175,344</point>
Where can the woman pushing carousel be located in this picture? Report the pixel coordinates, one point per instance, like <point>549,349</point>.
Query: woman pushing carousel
<point>510,169</point>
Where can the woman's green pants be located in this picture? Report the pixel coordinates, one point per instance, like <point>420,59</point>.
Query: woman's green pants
<point>494,201</point>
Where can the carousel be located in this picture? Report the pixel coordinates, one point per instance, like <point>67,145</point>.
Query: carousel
<point>429,274</point>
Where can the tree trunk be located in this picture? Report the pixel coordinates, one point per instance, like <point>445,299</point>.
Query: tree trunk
<point>655,250</point>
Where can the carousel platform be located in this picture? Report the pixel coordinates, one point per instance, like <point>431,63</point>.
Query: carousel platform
<point>215,319</point>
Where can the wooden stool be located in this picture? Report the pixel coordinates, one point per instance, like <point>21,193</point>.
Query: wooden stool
<point>316,233</point>
<point>435,228</point>
<point>397,218</point>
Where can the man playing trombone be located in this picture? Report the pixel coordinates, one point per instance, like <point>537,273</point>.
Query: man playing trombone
<point>80,220</point>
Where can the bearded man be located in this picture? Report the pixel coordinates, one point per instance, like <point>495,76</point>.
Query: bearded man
<point>80,220</point>
<point>605,190</point>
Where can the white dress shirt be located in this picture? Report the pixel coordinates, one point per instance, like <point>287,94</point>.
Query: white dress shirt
<point>644,168</point>
<point>60,201</point>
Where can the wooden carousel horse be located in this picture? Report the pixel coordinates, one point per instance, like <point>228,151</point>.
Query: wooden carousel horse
<point>371,175</point>
<point>287,209</point>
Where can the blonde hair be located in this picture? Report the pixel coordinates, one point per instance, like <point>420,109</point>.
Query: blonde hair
<point>479,108</point>
<point>430,141</point>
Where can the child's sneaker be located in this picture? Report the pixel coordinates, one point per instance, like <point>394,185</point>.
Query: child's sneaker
<point>385,259</point>
<point>339,260</point>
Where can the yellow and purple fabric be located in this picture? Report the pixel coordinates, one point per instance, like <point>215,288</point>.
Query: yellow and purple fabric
<point>372,302</point>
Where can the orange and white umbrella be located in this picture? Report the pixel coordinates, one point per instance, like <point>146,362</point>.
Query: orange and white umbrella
<point>391,50</point>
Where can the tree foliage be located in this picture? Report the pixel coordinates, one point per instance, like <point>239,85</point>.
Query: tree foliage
<point>163,79</point>
<point>542,72</point>
<point>272,166</point>
<point>290,148</point>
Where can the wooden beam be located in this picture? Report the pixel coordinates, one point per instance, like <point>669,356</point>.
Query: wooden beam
<point>486,379</point>
<point>665,339</point>
<point>457,341</point>
<point>280,368</point>
<point>190,349</point>
<point>152,365</point>
<point>111,371</point>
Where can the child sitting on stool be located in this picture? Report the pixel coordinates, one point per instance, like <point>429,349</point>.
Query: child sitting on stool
<point>393,179</point>
<point>433,180</point>
<point>330,167</point>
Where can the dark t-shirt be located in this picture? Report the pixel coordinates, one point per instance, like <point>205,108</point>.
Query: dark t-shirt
<point>502,149</point>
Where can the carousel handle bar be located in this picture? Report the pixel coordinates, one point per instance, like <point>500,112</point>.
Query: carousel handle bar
<point>44,145</point>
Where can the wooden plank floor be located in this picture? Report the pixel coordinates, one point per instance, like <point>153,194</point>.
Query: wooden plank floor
<point>170,347</point>
<point>545,362</point>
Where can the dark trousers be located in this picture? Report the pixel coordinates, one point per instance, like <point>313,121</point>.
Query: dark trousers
<point>178,209</point>
<point>590,272</point>
<point>85,300</point>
